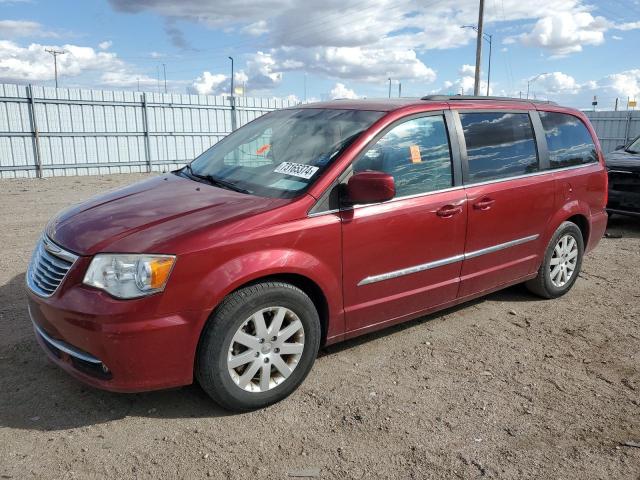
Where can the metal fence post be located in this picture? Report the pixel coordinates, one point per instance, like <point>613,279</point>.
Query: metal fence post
<point>145,122</point>
<point>34,131</point>
<point>627,127</point>
<point>234,121</point>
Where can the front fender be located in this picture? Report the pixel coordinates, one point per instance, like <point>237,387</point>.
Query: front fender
<point>252,266</point>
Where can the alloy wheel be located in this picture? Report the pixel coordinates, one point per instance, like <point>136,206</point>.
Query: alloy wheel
<point>563,261</point>
<point>266,349</point>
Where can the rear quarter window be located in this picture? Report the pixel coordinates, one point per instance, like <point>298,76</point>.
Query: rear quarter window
<point>568,140</point>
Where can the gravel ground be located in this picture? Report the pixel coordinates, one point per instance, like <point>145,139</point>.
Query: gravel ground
<point>505,387</point>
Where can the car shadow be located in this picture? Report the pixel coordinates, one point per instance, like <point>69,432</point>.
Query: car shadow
<point>35,394</point>
<point>623,227</point>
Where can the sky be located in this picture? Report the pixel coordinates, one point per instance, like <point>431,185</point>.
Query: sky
<point>568,51</point>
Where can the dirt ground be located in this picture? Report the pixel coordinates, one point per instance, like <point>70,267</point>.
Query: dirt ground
<point>509,386</point>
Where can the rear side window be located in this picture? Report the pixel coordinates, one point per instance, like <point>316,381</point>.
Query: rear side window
<point>569,142</point>
<point>499,145</point>
<point>415,153</point>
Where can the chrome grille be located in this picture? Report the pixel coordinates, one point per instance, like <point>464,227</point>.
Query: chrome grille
<point>48,268</point>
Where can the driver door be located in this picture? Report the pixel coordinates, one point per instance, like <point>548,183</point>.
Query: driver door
<point>404,256</point>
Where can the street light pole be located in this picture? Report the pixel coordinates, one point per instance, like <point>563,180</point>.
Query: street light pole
<point>476,86</point>
<point>532,80</point>
<point>389,87</point>
<point>233,100</point>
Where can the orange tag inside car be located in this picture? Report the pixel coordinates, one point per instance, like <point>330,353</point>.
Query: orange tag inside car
<point>263,149</point>
<point>415,154</point>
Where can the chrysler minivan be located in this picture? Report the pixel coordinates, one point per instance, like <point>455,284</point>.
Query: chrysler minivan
<point>309,226</point>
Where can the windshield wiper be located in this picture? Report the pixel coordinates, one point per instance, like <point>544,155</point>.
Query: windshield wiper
<point>217,182</point>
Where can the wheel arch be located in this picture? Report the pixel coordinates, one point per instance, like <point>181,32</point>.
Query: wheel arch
<point>308,286</point>
<point>583,224</point>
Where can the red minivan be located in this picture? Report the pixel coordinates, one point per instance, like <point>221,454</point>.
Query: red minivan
<point>309,226</point>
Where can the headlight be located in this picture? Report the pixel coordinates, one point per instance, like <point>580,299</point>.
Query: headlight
<point>129,276</point>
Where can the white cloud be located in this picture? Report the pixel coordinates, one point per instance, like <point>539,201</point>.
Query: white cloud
<point>208,83</point>
<point>464,84</point>
<point>354,63</point>
<point>565,32</point>
<point>33,63</point>
<point>106,45</point>
<point>256,29</point>
<point>23,28</point>
<point>557,82</point>
<point>467,70</point>
<point>624,84</point>
<point>341,91</point>
<point>627,26</point>
<point>262,72</point>
<point>21,64</point>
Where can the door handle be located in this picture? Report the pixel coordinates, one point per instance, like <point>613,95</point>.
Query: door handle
<point>485,204</point>
<point>449,211</point>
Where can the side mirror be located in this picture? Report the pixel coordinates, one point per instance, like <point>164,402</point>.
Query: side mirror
<point>620,147</point>
<point>370,187</point>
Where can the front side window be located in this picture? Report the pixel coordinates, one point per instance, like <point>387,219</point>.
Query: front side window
<point>415,153</point>
<point>281,153</point>
<point>569,142</point>
<point>499,145</point>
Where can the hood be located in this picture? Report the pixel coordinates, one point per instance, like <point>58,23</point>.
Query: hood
<point>149,216</point>
<point>623,160</point>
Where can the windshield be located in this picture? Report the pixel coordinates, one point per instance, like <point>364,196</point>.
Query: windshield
<point>281,153</point>
<point>634,147</point>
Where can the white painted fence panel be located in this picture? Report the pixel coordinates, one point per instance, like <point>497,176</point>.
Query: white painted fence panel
<point>68,131</point>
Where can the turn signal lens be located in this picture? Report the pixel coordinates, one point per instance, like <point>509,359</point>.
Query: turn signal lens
<point>160,270</point>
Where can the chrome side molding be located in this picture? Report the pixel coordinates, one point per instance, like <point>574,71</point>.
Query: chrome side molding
<point>502,246</point>
<point>410,270</point>
<point>446,261</point>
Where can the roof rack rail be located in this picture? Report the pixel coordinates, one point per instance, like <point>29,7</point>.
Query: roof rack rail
<point>444,98</point>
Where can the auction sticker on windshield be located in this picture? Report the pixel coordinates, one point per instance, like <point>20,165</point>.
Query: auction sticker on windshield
<point>296,170</point>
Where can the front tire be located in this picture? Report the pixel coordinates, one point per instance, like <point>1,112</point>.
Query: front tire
<point>258,346</point>
<point>562,263</point>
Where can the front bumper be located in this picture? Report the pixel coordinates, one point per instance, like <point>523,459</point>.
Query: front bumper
<point>125,351</point>
<point>624,192</point>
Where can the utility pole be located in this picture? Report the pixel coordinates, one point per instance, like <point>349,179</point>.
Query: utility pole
<point>399,89</point>
<point>489,39</point>
<point>164,70</point>
<point>305,87</point>
<point>389,87</point>
<point>489,73</point>
<point>476,87</point>
<point>55,54</point>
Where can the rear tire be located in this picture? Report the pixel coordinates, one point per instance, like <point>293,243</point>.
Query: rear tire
<point>561,264</point>
<point>258,346</point>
